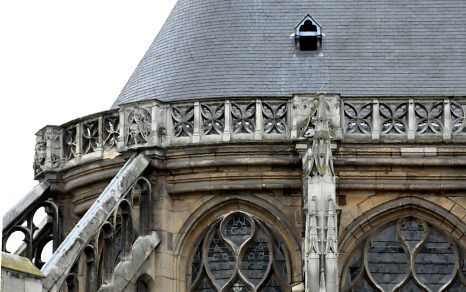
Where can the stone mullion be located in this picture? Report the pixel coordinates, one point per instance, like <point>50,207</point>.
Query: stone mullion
<point>375,120</point>
<point>158,128</point>
<point>79,141</point>
<point>196,123</point>
<point>342,117</point>
<point>446,120</point>
<point>100,134</point>
<point>227,128</point>
<point>411,120</point>
<point>121,143</point>
<point>259,125</point>
<point>169,122</point>
<point>289,119</point>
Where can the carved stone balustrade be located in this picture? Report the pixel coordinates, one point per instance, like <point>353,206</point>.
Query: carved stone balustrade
<point>418,120</point>
<point>222,120</point>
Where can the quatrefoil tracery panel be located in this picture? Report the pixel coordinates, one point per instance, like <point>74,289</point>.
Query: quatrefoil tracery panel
<point>239,253</point>
<point>243,118</point>
<point>429,117</point>
<point>213,118</point>
<point>90,136</point>
<point>406,255</point>
<point>274,118</point>
<point>358,118</point>
<point>183,120</point>
<point>394,118</point>
<point>458,118</point>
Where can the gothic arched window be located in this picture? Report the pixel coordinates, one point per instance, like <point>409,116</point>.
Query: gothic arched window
<point>240,253</point>
<point>406,255</point>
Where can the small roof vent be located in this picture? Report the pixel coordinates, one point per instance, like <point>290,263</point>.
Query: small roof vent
<point>308,34</point>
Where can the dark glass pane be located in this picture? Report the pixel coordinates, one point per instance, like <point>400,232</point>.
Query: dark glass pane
<point>204,286</point>
<point>434,264</point>
<point>364,286</point>
<point>411,286</point>
<point>196,266</point>
<point>387,261</point>
<point>463,262</point>
<point>239,287</point>
<point>280,260</point>
<point>256,258</point>
<point>272,286</point>
<point>456,286</point>
<point>355,267</point>
<point>238,229</point>
<point>412,232</point>
<point>220,259</point>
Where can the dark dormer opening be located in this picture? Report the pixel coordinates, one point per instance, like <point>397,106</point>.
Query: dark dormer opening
<point>308,34</point>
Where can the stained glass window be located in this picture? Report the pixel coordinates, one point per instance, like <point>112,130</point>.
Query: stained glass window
<point>240,253</point>
<point>406,255</point>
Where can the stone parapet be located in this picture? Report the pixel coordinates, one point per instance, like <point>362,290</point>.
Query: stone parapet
<point>260,120</point>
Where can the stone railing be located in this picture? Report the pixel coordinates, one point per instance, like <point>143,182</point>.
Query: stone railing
<point>215,121</point>
<point>404,120</point>
<point>90,138</point>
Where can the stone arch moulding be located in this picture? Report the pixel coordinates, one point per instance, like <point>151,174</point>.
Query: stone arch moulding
<point>355,233</point>
<point>220,206</point>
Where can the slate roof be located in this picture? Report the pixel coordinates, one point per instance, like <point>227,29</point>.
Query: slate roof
<point>215,48</point>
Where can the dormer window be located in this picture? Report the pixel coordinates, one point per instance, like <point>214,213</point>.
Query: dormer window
<point>308,34</point>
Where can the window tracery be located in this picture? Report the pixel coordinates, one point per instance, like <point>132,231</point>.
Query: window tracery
<point>406,255</point>
<point>239,253</point>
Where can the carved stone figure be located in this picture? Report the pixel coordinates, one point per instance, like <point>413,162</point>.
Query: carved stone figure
<point>139,127</point>
<point>319,186</point>
<point>40,154</point>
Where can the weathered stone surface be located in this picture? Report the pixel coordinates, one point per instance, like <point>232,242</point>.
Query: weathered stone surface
<point>126,270</point>
<point>60,263</point>
<point>19,274</point>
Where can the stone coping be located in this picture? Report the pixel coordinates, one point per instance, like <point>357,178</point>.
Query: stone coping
<point>20,264</point>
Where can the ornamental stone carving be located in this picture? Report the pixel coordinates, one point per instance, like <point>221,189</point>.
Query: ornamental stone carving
<point>305,110</point>
<point>139,127</point>
<point>40,154</point>
<point>47,154</point>
<point>320,243</point>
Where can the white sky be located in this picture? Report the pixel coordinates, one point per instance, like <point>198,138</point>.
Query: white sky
<point>60,60</point>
